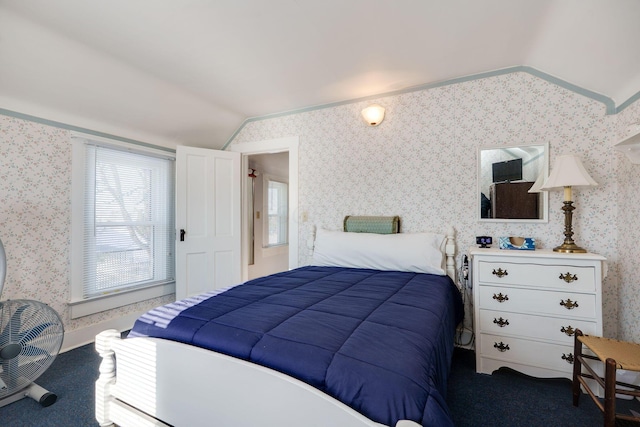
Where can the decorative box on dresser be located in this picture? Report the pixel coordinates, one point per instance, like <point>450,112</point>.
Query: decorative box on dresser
<point>527,305</point>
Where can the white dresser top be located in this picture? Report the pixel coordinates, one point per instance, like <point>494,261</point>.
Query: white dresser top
<point>538,253</point>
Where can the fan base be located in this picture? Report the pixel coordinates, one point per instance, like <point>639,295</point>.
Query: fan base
<point>34,391</point>
<point>48,399</point>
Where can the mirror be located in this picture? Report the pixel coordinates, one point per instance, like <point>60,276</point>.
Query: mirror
<point>506,173</point>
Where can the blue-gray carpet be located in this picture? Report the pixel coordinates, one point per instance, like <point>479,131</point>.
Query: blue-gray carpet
<point>504,399</point>
<point>507,398</point>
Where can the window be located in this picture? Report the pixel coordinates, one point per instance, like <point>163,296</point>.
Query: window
<point>123,243</point>
<point>277,212</point>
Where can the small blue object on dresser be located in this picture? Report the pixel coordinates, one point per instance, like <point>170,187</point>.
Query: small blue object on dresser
<point>519,243</point>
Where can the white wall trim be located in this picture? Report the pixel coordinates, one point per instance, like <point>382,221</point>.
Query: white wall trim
<point>79,337</point>
<point>85,307</point>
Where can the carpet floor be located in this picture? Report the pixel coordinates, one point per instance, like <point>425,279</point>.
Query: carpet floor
<point>510,399</point>
<point>504,399</point>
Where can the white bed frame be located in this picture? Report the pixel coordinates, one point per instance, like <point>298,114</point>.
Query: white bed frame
<point>166,383</point>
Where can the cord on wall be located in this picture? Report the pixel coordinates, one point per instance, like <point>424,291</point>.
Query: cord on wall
<point>464,284</point>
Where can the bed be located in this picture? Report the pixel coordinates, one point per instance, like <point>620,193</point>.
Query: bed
<point>363,337</point>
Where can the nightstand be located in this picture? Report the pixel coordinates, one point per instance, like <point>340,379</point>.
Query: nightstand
<point>527,305</point>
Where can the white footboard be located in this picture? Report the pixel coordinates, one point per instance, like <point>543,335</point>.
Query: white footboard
<point>162,383</point>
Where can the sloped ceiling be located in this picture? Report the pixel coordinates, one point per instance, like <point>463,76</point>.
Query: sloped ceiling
<point>192,71</point>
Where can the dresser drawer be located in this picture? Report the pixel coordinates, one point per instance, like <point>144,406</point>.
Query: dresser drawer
<point>530,301</point>
<point>520,325</point>
<point>561,277</point>
<point>533,353</point>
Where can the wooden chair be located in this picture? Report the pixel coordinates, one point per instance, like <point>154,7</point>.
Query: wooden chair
<point>615,355</point>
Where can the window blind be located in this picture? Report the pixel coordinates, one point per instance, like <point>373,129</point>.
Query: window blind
<point>277,209</point>
<point>128,221</point>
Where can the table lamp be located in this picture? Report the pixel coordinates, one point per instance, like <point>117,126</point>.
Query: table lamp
<point>568,173</point>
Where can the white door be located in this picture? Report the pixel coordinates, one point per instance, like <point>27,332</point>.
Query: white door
<point>208,220</point>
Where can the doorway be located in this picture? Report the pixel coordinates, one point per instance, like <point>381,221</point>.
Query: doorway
<point>267,214</point>
<point>274,146</point>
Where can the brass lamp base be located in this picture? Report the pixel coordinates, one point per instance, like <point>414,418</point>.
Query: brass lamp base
<point>569,248</point>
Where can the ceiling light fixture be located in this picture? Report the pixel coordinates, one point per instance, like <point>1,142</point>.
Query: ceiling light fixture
<point>373,114</point>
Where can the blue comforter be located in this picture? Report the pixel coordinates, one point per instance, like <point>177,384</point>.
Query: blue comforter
<point>379,341</point>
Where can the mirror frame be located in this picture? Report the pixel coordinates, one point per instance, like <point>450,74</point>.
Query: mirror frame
<point>545,194</point>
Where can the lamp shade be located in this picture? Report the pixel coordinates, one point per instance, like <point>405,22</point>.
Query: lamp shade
<point>535,188</point>
<point>373,114</point>
<point>568,172</point>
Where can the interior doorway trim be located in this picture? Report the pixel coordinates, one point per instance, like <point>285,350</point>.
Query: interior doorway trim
<point>271,146</point>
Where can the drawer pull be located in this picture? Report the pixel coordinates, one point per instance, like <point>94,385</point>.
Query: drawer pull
<point>568,304</point>
<point>568,358</point>
<point>501,322</point>
<point>569,331</point>
<point>568,277</point>
<point>500,297</point>
<point>501,347</point>
<point>500,272</point>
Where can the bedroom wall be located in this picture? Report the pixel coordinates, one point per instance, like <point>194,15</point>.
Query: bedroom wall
<point>35,222</point>
<point>628,179</point>
<point>420,163</point>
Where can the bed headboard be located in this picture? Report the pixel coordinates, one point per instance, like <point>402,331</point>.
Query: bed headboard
<point>372,224</point>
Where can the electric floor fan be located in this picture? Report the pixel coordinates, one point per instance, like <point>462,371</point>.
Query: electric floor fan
<point>31,334</point>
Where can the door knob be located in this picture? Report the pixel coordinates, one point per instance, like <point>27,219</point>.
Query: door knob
<point>182,233</point>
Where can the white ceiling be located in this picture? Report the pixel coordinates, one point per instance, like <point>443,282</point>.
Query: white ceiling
<point>191,71</point>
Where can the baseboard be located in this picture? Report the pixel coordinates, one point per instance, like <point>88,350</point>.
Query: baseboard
<point>83,336</point>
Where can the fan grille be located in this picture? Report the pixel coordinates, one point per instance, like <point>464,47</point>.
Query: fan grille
<point>38,331</point>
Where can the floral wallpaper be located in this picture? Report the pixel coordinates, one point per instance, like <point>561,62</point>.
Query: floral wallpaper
<point>35,218</point>
<point>421,162</point>
<point>35,172</point>
<point>628,182</point>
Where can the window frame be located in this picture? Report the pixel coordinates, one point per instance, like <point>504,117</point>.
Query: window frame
<point>79,305</point>
<point>265,226</point>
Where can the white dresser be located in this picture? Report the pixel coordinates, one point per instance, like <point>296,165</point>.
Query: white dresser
<point>527,304</point>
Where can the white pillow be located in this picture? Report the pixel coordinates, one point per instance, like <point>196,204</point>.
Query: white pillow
<point>416,252</point>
